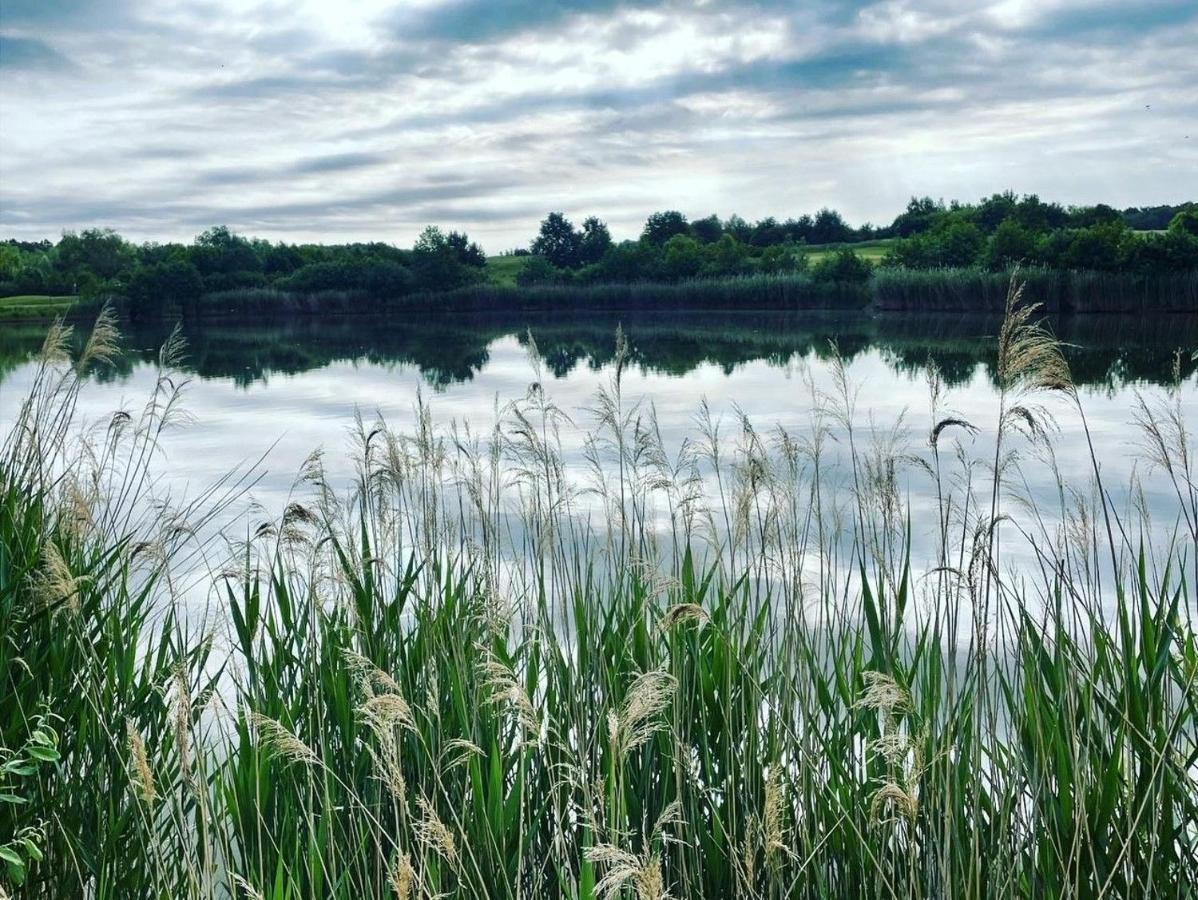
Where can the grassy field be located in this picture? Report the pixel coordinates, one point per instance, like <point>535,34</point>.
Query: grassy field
<point>873,251</point>
<point>502,270</point>
<point>38,306</point>
<point>726,680</point>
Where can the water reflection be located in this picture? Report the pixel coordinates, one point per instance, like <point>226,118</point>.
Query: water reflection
<point>453,348</point>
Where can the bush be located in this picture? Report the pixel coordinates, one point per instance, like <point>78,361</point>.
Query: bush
<point>842,266</point>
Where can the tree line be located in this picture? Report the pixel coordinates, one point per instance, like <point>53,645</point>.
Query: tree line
<point>172,278</point>
<point>996,233</point>
<point>993,234</point>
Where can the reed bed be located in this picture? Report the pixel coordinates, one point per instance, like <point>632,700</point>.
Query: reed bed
<point>705,671</point>
<point>1055,290</point>
<point>972,290</point>
<point>740,292</point>
<point>795,291</point>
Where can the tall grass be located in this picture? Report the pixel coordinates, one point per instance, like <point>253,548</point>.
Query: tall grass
<point>797,291</point>
<point>1056,290</point>
<point>741,292</point>
<point>711,670</point>
<point>889,289</point>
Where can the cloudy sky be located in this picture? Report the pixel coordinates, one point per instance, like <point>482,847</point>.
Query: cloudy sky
<point>355,119</point>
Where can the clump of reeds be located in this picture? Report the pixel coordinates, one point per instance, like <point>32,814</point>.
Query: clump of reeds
<point>740,668</point>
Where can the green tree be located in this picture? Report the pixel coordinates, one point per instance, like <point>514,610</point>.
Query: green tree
<point>538,270</point>
<point>1174,251</point>
<point>596,241</point>
<point>727,256</point>
<point>1010,244</point>
<point>558,241</point>
<point>1100,214</point>
<point>441,262</point>
<point>829,228</point>
<point>708,230</point>
<point>1102,247</point>
<point>99,252</point>
<point>683,257</point>
<point>164,288</point>
<point>219,250</point>
<point>919,216</point>
<point>842,266</point>
<point>738,228</point>
<point>781,258</point>
<point>995,210</point>
<point>661,226</point>
<point>959,243</point>
<point>467,252</point>
<point>1185,222</point>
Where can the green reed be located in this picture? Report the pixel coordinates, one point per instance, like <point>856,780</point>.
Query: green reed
<point>1056,290</point>
<point>710,671</point>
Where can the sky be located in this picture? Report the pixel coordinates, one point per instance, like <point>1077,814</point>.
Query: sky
<point>367,120</point>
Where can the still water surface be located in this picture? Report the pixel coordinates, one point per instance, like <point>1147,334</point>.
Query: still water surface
<point>279,391</point>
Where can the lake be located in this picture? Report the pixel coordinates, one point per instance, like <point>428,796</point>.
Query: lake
<point>268,394</point>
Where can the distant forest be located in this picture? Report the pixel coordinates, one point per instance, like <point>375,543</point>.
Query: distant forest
<point>223,269</point>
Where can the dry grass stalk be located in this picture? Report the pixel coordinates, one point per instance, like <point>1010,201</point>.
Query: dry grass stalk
<point>182,724</point>
<point>103,344</point>
<point>141,775</point>
<point>55,583</point>
<point>772,819</point>
<point>275,738</point>
<point>682,613</point>
<point>56,346</point>
<point>1028,355</point>
<point>635,723</point>
<point>623,869</point>
<point>891,801</point>
<point>506,691</point>
<point>247,889</point>
<point>403,878</point>
<point>884,694</point>
<point>434,833</point>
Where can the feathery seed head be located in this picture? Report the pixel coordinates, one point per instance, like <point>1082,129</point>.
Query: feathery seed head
<point>55,583</point>
<point>275,738</point>
<point>434,833</point>
<point>649,694</point>
<point>182,723</point>
<point>771,818</point>
<point>403,878</point>
<point>883,694</point>
<point>142,775</point>
<point>681,613</point>
<point>103,343</point>
<point>892,801</point>
<point>387,711</point>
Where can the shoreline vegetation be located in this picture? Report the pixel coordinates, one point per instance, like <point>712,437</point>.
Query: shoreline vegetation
<point>712,670</point>
<point>932,257</point>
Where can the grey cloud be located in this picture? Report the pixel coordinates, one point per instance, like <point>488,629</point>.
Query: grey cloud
<point>338,162</point>
<point>28,53</point>
<point>1116,22</point>
<point>335,162</point>
<point>287,86</point>
<point>52,12</point>
<point>75,209</point>
<point>474,21</point>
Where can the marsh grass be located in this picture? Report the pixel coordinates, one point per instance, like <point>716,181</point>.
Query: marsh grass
<point>711,670</point>
<point>1055,290</point>
<point>972,290</point>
